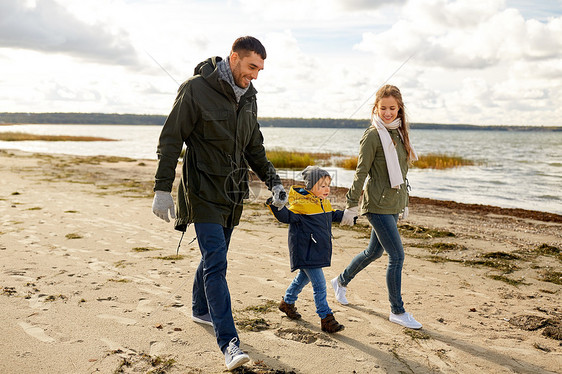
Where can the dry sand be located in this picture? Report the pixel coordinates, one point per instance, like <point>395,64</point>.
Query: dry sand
<point>90,283</point>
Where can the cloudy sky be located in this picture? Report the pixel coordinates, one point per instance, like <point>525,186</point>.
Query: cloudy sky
<point>480,62</point>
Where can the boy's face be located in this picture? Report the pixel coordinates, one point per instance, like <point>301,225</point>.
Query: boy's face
<point>322,188</point>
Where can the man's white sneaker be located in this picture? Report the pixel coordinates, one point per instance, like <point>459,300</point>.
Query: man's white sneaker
<point>406,320</point>
<point>233,356</point>
<point>339,291</point>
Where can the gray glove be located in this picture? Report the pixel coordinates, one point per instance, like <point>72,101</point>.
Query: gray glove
<point>349,216</point>
<point>162,204</point>
<point>279,196</point>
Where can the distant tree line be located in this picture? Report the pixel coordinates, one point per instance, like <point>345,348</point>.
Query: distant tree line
<point>83,118</point>
<point>154,119</point>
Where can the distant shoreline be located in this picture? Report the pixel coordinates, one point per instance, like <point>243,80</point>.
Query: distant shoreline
<point>146,119</point>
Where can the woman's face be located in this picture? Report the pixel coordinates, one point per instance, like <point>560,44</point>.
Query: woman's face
<point>387,109</point>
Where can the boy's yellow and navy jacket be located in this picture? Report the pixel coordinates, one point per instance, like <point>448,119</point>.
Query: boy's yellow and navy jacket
<point>310,228</point>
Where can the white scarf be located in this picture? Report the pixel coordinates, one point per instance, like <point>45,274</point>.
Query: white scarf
<point>392,164</point>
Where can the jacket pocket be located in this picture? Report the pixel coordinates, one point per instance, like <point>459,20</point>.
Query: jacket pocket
<point>390,198</point>
<point>215,125</point>
<point>316,248</point>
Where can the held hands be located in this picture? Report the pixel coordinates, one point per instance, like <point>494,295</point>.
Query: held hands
<point>162,204</point>
<point>279,196</point>
<point>349,216</point>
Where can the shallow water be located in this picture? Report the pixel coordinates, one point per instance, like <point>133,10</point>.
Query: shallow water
<point>516,169</point>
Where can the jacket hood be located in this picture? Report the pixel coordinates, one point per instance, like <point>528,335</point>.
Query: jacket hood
<point>208,70</point>
<point>302,201</point>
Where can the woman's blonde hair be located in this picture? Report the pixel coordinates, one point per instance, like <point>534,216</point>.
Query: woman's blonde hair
<point>404,129</point>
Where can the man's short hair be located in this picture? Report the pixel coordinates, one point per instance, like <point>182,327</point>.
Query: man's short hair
<point>246,44</point>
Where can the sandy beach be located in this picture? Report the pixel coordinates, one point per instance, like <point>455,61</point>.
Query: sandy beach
<point>91,284</point>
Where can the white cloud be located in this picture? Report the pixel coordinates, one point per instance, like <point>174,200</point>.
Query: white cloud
<point>484,61</point>
<point>465,34</point>
<point>48,27</point>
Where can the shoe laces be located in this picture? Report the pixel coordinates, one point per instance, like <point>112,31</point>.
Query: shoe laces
<point>233,349</point>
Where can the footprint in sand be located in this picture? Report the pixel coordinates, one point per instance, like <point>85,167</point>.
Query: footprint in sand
<point>154,274</point>
<point>156,348</point>
<point>298,335</point>
<point>116,347</point>
<point>38,302</point>
<point>36,332</point>
<point>122,320</point>
<point>143,306</point>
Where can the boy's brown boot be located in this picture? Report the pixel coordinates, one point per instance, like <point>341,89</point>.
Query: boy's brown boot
<point>289,309</point>
<point>329,324</point>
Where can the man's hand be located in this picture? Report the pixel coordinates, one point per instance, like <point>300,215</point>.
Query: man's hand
<point>349,216</point>
<point>162,204</point>
<point>279,196</point>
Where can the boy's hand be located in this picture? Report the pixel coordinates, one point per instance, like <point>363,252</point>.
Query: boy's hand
<point>279,196</point>
<point>349,217</point>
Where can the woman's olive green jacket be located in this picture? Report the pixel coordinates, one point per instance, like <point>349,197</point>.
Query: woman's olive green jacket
<point>222,139</point>
<point>378,196</point>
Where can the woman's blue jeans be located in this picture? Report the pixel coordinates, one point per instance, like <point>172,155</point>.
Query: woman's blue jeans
<point>316,277</point>
<point>384,237</point>
<point>210,290</point>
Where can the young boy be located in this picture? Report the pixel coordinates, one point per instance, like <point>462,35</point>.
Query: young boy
<point>310,216</point>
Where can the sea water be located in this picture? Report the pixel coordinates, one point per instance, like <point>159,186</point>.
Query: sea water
<point>514,169</point>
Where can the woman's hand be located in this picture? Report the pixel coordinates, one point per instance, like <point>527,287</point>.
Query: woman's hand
<point>349,216</point>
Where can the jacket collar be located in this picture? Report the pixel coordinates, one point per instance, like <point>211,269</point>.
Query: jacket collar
<point>302,201</point>
<point>208,70</point>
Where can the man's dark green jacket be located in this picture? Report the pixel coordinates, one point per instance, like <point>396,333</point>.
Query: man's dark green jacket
<point>222,139</point>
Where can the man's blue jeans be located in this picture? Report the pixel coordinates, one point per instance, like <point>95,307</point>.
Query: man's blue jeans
<point>210,290</point>
<point>384,237</point>
<point>316,277</point>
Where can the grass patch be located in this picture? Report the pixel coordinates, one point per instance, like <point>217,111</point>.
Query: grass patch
<point>11,136</point>
<point>548,250</point>
<point>122,280</point>
<point>267,307</point>
<point>417,334</point>
<point>503,278</point>
<point>252,324</point>
<point>439,259</point>
<point>348,163</point>
<point>446,247</point>
<point>290,160</point>
<point>441,161</point>
<point>96,160</point>
<point>35,208</point>
<point>493,263</point>
<point>71,211</point>
<point>429,161</point>
<point>145,249</point>
<point>552,277</point>
<point>170,258</point>
<point>500,256</point>
<point>73,235</point>
<point>421,232</point>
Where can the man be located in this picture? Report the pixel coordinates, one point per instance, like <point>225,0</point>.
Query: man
<point>215,115</point>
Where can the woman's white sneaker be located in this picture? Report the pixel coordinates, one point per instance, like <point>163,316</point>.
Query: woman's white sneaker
<point>339,291</point>
<point>406,320</point>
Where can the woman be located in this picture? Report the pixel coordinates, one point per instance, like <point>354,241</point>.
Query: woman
<point>384,154</point>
